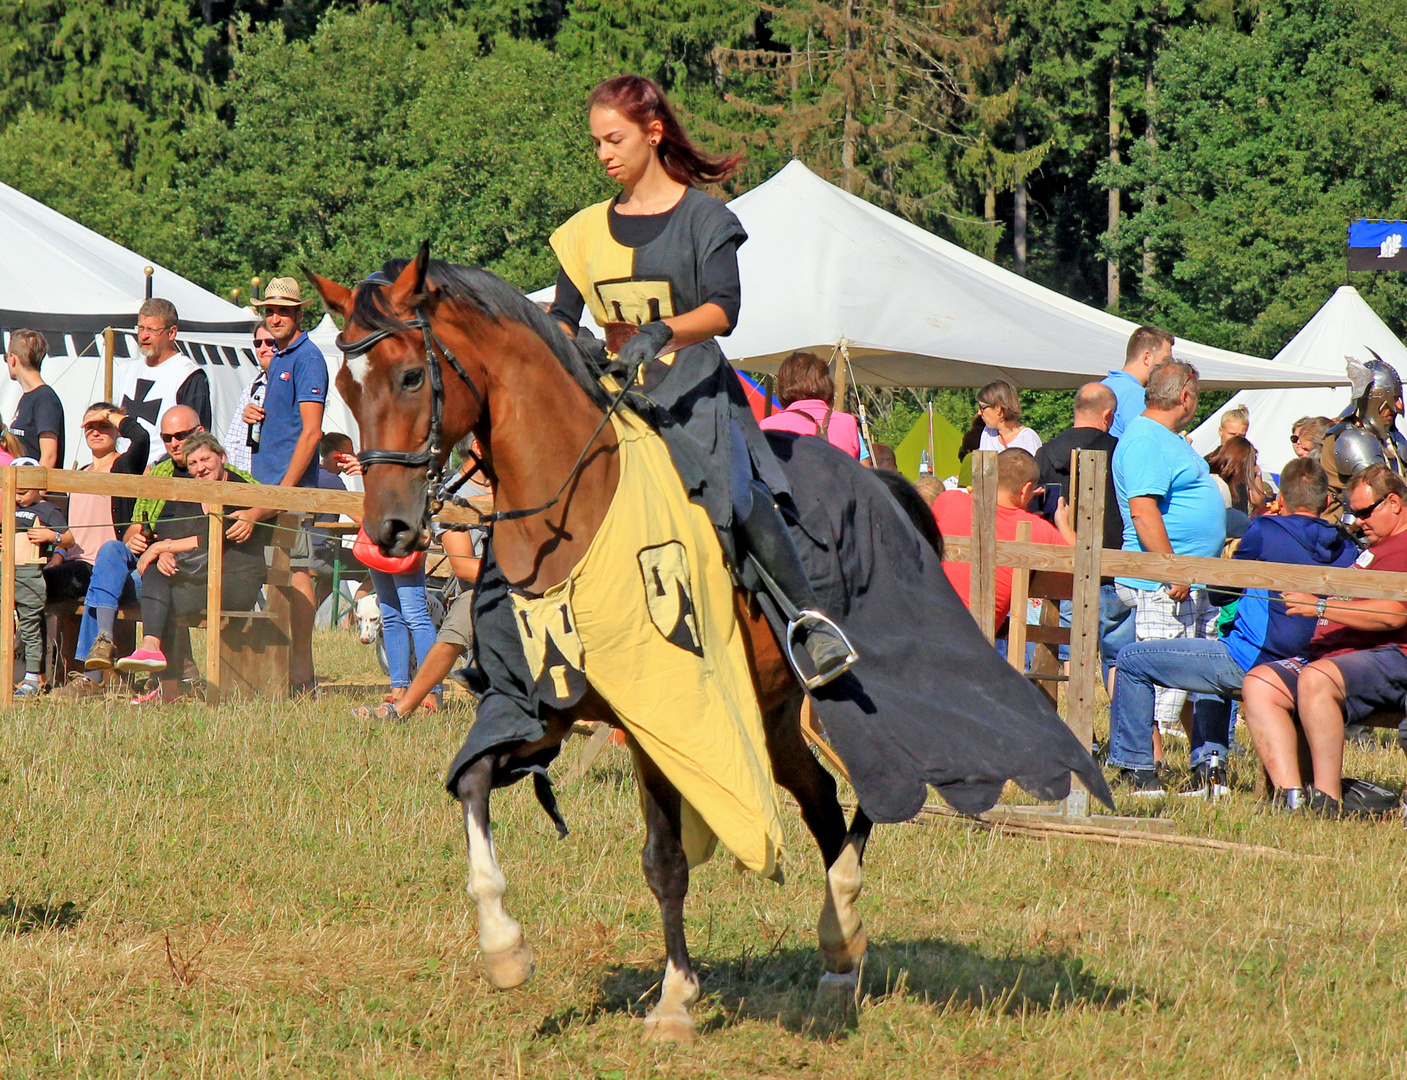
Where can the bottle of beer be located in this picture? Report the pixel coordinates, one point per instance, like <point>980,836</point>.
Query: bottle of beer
<point>148,533</point>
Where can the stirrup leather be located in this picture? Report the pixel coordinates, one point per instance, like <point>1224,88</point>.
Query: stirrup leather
<point>810,616</point>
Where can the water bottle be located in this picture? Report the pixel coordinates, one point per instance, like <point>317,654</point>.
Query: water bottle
<point>255,430</point>
<point>925,464</point>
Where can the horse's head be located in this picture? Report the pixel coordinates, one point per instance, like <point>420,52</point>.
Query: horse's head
<point>408,414</point>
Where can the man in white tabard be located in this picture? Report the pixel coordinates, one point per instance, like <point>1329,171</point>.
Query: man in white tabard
<point>163,378</point>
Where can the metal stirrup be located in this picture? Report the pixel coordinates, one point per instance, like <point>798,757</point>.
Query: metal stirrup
<point>809,617</point>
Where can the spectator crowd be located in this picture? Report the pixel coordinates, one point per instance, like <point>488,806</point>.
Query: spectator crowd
<point>1297,668</point>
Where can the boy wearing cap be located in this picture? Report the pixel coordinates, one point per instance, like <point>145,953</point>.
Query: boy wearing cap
<point>39,529</point>
<point>287,454</point>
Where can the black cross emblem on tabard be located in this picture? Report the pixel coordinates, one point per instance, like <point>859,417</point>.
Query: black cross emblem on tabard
<point>140,407</point>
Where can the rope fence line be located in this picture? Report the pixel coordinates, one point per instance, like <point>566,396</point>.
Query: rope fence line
<point>216,495</point>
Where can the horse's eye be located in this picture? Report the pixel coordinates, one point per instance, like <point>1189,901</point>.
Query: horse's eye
<point>411,380</point>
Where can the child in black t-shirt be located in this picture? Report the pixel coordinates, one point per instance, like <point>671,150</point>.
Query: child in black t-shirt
<point>39,529</point>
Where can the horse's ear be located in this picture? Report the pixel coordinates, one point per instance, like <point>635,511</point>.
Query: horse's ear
<point>337,297</point>
<point>409,288</point>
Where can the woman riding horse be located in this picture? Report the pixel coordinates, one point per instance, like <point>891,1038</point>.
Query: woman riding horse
<point>657,267</point>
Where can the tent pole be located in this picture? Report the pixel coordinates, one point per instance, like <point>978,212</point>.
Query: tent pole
<point>842,371</point>
<point>107,363</point>
<point>932,458</point>
<point>148,271</point>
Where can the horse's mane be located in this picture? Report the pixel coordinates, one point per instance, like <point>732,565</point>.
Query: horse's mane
<point>490,295</point>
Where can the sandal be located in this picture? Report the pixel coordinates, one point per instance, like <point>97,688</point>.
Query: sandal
<point>384,711</point>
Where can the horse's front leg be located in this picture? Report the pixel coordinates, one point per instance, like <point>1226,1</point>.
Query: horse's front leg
<point>508,959</point>
<point>841,932</point>
<point>667,872</point>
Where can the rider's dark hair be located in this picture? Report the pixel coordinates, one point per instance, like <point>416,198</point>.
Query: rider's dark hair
<point>641,102</point>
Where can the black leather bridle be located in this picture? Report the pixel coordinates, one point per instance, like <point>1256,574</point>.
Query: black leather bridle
<point>428,456</point>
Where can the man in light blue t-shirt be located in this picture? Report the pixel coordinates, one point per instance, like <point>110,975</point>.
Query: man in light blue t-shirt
<point>1170,505</point>
<point>1147,348</point>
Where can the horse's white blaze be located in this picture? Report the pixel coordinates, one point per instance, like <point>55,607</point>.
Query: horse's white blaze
<point>498,931</point>
<point>357,367</point>
<point>839,924</point>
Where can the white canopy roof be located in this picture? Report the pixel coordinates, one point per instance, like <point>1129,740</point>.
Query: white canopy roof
<point>69,282</point>
<point>1345,326</point>
<point>53,267</point>
<point>823,267</point>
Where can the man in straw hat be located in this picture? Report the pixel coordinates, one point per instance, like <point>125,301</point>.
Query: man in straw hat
<point>290,422</point>
<point>164,378</point>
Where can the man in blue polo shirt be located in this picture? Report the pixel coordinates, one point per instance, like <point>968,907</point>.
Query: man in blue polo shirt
<point>1147,348</point>
<point>1260,630</point>
<point>1170,505</point>
<point>289,428</point>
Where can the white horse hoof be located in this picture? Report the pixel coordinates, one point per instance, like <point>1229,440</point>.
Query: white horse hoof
<point>509,969</point>
<point>670,1027</point>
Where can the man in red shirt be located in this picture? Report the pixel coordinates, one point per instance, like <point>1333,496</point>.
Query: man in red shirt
<point>1356,667</point>
<point>1017,478</point>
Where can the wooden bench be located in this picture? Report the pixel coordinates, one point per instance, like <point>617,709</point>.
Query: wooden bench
<point>254,645</point>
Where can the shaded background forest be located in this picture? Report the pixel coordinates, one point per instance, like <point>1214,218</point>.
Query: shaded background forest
<point>1190,164</point>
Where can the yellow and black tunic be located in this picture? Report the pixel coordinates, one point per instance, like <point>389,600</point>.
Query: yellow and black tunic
<point>640,269</point>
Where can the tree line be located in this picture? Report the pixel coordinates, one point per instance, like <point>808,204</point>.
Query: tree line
<point>1193,164</point>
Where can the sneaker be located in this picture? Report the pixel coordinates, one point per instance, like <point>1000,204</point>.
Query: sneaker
<point>831,652</point>
<point>142,660</point>
<point>78,687</point>
<point>1206,779</point>
<point>100,655</point>
<point>28,689</point>
<point>1143,782</point>
<point>1306,800</point>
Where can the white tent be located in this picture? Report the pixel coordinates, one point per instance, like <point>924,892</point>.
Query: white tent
<point>71,283</point>
<point>336,416</point>
<point>822,267</point>
<point>1345,326</point>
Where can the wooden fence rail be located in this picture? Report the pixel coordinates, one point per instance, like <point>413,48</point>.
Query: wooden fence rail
<point>216,495</point>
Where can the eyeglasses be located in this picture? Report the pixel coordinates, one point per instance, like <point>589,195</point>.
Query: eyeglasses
<point>153,329</point>
<point>261,342</point>
<point>984,405</point>
<point>178,436</point>
<point>1367,511</point>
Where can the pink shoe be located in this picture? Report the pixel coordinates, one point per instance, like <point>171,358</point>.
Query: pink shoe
<point>151,697</point>
<point>142,660</point>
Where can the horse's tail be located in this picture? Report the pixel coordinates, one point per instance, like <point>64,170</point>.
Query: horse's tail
<point>911,502</point>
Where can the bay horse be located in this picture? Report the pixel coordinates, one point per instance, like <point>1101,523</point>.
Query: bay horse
<point>502,369</point>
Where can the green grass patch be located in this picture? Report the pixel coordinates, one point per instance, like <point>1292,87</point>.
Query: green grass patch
<point>278,890</point>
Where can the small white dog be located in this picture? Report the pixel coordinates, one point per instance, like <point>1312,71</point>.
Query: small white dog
<point>368,618</point>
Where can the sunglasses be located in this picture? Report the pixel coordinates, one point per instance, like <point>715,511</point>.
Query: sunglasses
<point>260,342</point>
<point>984,405</point>
<point>178,436</point>
<point>1368,511</point>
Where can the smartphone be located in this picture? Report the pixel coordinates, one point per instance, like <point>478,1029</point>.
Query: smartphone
<point>1053,493</point>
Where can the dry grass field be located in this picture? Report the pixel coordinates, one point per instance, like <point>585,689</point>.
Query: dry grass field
<point>279,891</point>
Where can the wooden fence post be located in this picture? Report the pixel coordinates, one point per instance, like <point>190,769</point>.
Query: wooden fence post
<point>1090,470</point>
<point>7,589</point>
<point>982,590</point>
<point>214,603</point>
<point>1020,595</point>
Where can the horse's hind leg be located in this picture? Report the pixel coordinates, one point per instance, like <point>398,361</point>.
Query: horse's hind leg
<point>841,933</point>
<point>508,959</point>
<point>667,872</point>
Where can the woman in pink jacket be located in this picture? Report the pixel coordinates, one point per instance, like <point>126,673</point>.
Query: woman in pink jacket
<point>806,390</point>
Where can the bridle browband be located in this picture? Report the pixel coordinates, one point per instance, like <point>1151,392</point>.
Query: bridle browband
<point>428,456</point>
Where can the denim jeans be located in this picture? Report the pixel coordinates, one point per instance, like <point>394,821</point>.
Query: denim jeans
<point>115,582</point>
<point>405,619</point>
<point>1116,627</point>
<point>1202,665</point>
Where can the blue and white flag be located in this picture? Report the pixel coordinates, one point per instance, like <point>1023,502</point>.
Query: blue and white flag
<point>1377,245</point>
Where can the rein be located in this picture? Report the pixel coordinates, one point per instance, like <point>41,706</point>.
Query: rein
<point>428,456</point>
